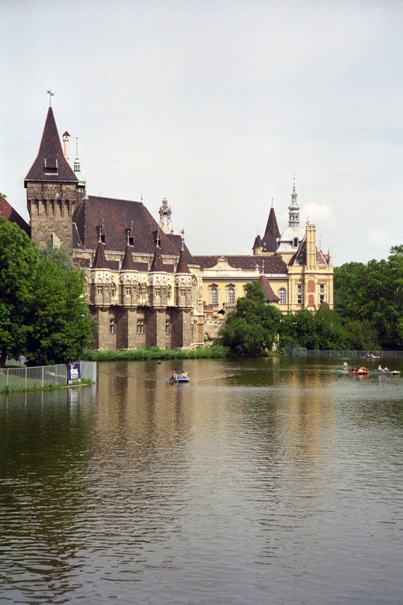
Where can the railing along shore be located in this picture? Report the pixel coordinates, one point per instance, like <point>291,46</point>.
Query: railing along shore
<point>301,352</point>
<point>42,377</point>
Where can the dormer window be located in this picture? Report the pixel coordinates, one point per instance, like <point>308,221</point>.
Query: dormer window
<point>51,166</point>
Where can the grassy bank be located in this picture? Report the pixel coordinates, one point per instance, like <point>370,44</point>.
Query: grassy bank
<point>155,353</point>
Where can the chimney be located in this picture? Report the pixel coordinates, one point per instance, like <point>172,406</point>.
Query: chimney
<point>66,144</point>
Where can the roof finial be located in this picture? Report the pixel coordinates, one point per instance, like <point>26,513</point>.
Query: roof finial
<point>293,188</point>
<point>51,94</point>
<point>272,202</point>
<point>183,239</point>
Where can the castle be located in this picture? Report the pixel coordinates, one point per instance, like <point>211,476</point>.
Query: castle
<point>143,285</point>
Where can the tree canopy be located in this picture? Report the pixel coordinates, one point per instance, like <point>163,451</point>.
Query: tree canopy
<point>43,313</point>
<point>251,329</point>
<point>369,300</point>
<point>18,259</point>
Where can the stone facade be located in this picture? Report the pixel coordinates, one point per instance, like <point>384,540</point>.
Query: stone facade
<point>142,284</point>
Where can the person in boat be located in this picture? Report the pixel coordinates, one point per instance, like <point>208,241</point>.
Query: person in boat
<point>362,369</point>
<point>174,375</point>
<point>380,368</point>
<point>184,374</point>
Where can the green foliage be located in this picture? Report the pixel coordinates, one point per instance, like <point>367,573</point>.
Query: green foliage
<point>251,329</point>
<point>61,323</point>
<point>43,314</point>
<point>18,258</point>
<point>372,295</point>
<point>316,331</point>
<point>216,351</point>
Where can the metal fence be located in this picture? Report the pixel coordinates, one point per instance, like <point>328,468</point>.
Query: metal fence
<point>301,352</point>
<point>20,379</point>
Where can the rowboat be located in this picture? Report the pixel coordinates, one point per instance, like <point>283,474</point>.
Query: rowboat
<point>178,379</point>
<point>365,372</point>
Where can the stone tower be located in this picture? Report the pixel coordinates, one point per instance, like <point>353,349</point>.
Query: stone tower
<point>51,186</point>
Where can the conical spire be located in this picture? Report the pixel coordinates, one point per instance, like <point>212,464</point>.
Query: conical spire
<point>272,233</point>
<point>268,290</point>
<point>128,262</point>
<point>182,263</point>
<point>100,261</point>
<point>50,163</point>
<point>157,264</point>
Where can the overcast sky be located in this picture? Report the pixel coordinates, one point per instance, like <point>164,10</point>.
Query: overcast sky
<point>215,105</point>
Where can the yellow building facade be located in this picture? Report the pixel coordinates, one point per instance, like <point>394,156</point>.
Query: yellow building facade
<point>294,272</point>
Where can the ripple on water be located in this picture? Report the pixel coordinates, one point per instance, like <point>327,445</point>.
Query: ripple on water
<point>255,484</point>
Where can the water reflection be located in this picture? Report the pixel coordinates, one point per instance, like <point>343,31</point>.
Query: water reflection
<point>260,478</point>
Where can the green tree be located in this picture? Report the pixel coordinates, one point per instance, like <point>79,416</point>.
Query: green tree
<point>61,323</point>
<point>372,295</point>
<point>43,313</point>
<point>322,330</point>
<point>18,259</point>
<point>251,329</point>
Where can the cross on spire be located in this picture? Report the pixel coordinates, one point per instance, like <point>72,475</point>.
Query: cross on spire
<point>51,94</point>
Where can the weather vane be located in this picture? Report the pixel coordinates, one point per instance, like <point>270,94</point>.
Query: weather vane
<point>51,94</point>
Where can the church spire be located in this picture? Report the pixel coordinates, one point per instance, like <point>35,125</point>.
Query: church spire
<point>77,169</point>
<point>293,214</point>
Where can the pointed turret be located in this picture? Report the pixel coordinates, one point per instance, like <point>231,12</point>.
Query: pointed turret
<point>100,261</point>
<point>157,264</point>
<point>52,191</point>
<point>128,262</point>
<point>257,245</point>
<point>268,290</point>
<point>183,266</point>
<point>272,233</point>
<point>50,163</point>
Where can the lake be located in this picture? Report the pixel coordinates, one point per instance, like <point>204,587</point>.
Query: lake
<point>273,481</point>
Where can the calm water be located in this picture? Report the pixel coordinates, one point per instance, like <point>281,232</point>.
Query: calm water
<point>268,482</point>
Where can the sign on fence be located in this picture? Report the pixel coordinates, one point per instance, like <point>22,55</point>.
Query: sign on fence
<point>73,372</point>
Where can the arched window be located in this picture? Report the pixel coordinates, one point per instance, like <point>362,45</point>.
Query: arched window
<point>282,294</point>
<point>213,295</point>
<point>230,294</point>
